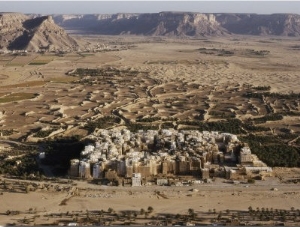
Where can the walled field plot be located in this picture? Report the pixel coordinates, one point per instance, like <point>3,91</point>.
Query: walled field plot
<point>62,79</point>
<point>5,59</point>
<point>70,57</point>
<point>21,60</point>
<point>16,97</point>
<point>172,82</point>
<point>26,84</point>
<point>2,94</point>
<point>3,77</point>
<point>42,60</point>
<point>99,58</point>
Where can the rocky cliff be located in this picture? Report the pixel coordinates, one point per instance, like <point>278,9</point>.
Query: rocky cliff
<point>183,24</point>
<point>20,32</point>
<point>33,33</point>
<point>160,24</point>
<point>10,27</point>
<point>253,24</point>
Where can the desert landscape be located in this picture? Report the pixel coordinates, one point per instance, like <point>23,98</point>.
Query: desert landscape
<point>145,82</point>
<point>60,203</point>
<point>54,99</point>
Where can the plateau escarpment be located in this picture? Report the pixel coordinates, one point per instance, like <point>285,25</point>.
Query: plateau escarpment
<point>254,24</point>
<point>157,24</point>
<point>183,24</point>
<point>20,32</point>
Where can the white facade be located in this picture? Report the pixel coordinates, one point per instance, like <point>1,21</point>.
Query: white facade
<point>84,169</point>
<point>126,152</point>
<point>42,155</point>
<point>96,171</point>
<point>136,179</point>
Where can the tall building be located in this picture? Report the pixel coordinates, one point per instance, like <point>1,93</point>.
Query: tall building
<point>136,179</point>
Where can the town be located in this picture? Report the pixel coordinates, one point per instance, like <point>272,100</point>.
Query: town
<point>120,157</point>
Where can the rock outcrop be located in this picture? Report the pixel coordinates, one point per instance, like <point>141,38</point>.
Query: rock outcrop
<point>20,32</point>
<point>253,24</point>
<point>11,27</point>
<point>36,33</point>
<point>156,24</point>
<point>183,24</point>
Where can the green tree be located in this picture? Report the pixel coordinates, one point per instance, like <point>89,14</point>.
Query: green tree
<point>251,181</point>
<point>27,189</point>
<point>250,209</point>
<point>150,209</point>
<point>219,215</point>
<point>190,211</point>
<point>146,214</point>
<point>110,210</point>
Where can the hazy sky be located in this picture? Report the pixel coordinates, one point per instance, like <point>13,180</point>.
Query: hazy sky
<point>102,7</point>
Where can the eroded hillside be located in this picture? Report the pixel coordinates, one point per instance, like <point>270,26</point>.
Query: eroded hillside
<point>183,24</point>
<point>20,32</point>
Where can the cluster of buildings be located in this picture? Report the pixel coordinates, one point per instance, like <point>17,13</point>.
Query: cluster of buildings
<point>122,156</point>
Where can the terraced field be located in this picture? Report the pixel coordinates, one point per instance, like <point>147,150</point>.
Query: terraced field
<point>179,83</point>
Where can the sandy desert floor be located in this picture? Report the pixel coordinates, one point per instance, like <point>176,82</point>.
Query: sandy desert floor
<point>217,196</point>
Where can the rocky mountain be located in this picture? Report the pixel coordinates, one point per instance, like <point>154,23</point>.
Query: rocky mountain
<point>182,24</point>
<point>33,33</point>
<point>21,32</point>
<point>157,24</point>
<point>10,27</point>
<point>254,24</point>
